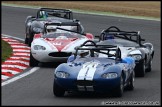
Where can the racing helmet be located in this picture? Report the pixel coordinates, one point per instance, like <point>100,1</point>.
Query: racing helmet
<point>106,36</point>
<point>43,14</point>
<point>83,53</point>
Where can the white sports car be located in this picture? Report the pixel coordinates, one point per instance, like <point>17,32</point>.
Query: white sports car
<point>56,45</point>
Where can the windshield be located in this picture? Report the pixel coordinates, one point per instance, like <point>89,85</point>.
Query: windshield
<point>119,42</point>
<point>62,33</point>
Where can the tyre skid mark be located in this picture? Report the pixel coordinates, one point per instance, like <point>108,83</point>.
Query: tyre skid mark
<point>18,61</point>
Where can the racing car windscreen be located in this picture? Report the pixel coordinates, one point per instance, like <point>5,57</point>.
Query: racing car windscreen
<point>93,48</point>
<point>61,13</point>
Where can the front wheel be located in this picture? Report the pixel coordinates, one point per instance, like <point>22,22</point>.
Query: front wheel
<point>26,40</point>
<point>140,69</point>
<point>30,39</point>
<point>118,92</point>
<point>57,90</point>
<point>130,85</point>
<point>33,62</point>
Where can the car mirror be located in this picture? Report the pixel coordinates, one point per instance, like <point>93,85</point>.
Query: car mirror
<point>71,58</point>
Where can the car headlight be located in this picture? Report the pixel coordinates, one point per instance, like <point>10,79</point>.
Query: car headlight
<point>39,47</point>
<point>136,57</point>
<point>109,75</point>
<point>61,74</point>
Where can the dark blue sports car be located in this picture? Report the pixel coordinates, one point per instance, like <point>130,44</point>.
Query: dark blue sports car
<point>87,70</point>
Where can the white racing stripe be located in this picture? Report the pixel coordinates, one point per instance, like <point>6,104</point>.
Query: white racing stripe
<point>83,71</point>
<point>91,71</point>
<point>87,71</point>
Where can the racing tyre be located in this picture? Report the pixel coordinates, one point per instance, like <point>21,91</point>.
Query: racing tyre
<point>130,85</point>
<point>119,90</point>
<point>140,69</point>
<point>30,39</point>
<point>26,40</point>
<point>57,90</point>
<point>149,65</point>
<point>33,62</point>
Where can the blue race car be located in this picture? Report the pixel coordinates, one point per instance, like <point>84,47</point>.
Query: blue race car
<point>87,70</point>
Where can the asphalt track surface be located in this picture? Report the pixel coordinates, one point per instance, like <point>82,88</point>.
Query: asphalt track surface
<point>36,88</point>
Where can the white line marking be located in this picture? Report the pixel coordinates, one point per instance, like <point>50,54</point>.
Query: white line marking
<point>18,61</point>
<point>20,58</point>
<point>4,77</point>
<point>13,37</point>
<point>20,50</point>
<point>14,66</point>
<point>12,71</point>
<point>20,76</point>
<point>25,54</point>
<point>15,43</point>
<point>18,46</point>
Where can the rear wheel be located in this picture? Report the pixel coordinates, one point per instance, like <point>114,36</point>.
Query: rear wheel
<point>33,62</point>
<point>149,65</point>
<point>30,39</point>
<point>57,90</point>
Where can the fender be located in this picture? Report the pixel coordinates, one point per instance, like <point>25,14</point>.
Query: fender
<point>142,52</point>
<point>37,35</point>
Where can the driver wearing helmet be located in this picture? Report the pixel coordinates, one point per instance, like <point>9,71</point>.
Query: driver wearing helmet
<point>43,14</point>
<point>83,54</point>
<point>106,36</point>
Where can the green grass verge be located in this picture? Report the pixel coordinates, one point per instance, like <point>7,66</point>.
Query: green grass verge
<point>6,50</point>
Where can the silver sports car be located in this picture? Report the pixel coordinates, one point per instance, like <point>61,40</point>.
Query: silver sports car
<point>130,45</point>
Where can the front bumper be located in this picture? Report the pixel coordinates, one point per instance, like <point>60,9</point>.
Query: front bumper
<point>97,85</point>
<point>48,56</point>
